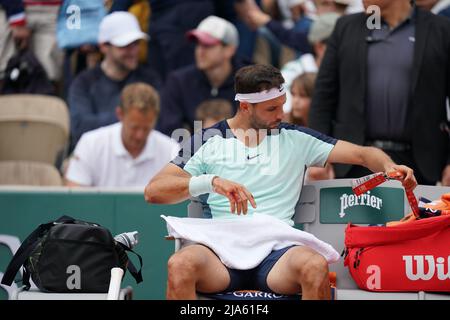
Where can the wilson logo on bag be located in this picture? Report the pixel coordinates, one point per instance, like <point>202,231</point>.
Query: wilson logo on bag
<point>415,267</point>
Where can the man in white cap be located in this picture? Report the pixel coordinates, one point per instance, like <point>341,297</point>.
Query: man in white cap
<point>211,76</point>
<point>94,94</point>
<point>228,167</point>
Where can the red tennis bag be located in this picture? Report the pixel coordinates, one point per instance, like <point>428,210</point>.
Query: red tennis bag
<point>413,256</point>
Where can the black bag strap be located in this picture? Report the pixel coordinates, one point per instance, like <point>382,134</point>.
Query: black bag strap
<point>26,279</point>
<point>27,248</point>
<point>137,275</point>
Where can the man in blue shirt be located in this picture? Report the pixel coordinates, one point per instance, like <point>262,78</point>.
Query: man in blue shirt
<point>254,158</point>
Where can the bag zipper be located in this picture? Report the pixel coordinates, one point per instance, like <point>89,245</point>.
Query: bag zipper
<point>108,245</point>
<point>344,253</point>
<point>357,260</point>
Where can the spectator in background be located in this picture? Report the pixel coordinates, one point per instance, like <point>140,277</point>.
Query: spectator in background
<point>387,87</point>
<point>212,111</point>
<point>94,93</point>
<point>237,14</point>
<point>210,77</point>
<point>170,20</point>
<point>318,35</point>
<point>302,89</point>
<point>295,37</point>
<point>321,30</point>
<point>88,55</point>
<point>300,15</point>
<point>11,29</point>
<point>124,154</point>
<point>441,7</point>
<point>31,24</point>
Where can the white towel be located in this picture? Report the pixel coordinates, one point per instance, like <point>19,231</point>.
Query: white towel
<point>243,242</point>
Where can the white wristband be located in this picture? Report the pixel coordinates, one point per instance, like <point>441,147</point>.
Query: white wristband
<point>201,184</point>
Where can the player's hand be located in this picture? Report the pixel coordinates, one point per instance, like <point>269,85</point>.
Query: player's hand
<point>403,174</point>
<point>237,194</point>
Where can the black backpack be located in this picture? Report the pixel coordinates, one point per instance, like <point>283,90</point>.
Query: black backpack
<point>69,255</point>
<point>25,74</point>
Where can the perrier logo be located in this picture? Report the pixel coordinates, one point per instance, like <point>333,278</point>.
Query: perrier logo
<point>366,199</point>
<point>340,205</point>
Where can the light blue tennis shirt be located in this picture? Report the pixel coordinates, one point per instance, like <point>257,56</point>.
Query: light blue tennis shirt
<point>273,171</point>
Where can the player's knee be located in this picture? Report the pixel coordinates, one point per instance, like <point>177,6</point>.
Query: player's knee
<point>181,268</point>
<point>314,271</point>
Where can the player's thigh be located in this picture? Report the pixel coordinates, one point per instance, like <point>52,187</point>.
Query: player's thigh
<point>284,276</point>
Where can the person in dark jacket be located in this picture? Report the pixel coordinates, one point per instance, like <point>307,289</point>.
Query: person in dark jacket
<point>209,78</point>
<point>387,87</point>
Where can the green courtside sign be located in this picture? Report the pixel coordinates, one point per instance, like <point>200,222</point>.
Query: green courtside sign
<point>380,205</point>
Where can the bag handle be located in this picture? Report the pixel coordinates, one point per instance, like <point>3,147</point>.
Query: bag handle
<point>357,236</point>
<point>137,275</point>
<point>27,247</point>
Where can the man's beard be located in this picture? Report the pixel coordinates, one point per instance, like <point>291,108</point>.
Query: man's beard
<point>124,67</point>
<point>259,125</point>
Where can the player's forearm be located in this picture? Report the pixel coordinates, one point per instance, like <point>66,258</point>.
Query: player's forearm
<point>167,190</point>
<point>375,159</point>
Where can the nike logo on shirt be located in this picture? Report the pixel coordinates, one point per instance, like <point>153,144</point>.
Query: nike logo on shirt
<point>249,158</point>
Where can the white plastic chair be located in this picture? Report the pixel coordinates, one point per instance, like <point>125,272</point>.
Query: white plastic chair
<point>29,173</point>
<point>33,127</point>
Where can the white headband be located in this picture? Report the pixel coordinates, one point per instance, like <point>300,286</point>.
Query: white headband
<point>261,96</point>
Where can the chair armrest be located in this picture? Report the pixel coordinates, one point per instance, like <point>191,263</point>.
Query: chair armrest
<point>177,242</point>
<point>114,284</point>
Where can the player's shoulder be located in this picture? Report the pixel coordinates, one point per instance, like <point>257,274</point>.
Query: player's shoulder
<point>296,130</point>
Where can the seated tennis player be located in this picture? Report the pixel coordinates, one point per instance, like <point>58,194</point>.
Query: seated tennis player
<point>254,163</point>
